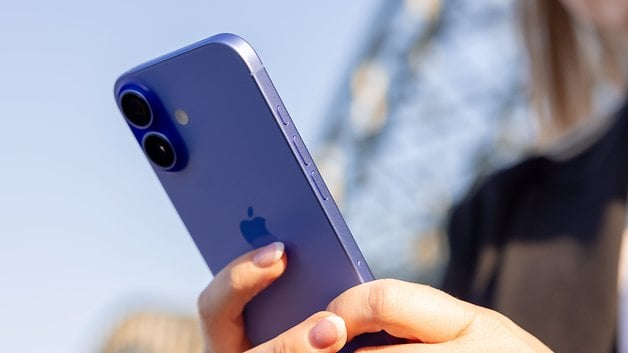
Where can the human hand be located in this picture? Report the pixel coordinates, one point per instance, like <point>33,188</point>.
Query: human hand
<point>221,305</point>
<point>433,321</point>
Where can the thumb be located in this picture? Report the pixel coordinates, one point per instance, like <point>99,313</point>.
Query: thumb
<point>322,332</point>
<point>446,347</point>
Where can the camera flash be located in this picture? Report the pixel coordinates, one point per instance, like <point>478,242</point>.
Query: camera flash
<point>181,116</point>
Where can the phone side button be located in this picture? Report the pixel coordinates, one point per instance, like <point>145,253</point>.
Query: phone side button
<point>320,185</point>
<point>301,151</point>
<point>283,115</point>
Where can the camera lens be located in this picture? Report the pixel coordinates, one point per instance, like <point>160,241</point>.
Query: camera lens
<point>136,109</point>
<point>159,150</point>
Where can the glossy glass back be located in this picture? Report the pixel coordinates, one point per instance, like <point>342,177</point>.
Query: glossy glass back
<point>243,178</point>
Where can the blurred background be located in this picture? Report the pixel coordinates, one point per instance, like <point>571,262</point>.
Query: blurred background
<point>405,104</point>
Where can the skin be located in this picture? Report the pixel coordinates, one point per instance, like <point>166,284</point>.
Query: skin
<point>415,312</point>
<point>221,305</point>
<point>429,319</point>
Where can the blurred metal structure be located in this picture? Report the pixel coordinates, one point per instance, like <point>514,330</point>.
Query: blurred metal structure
<point>150,332</point>
<point>434,99</point>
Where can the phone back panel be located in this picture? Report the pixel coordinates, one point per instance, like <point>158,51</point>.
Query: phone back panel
<point>240,163</point>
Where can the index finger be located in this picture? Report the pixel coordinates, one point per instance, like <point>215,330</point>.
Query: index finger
<point>221,304</point>
<point>242,279</point>
<point>405,310</point>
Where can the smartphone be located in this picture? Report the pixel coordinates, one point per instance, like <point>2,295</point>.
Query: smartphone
<point>230,158</point>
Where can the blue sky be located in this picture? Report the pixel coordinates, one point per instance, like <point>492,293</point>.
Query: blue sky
<point>86,230</point>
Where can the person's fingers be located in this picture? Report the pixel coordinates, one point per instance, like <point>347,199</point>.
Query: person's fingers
<point>447,347</point>
<point>459,345</point>
<point>406,310</point>
<point>322,332</point>
<point>221,304</point>
<point>485,341</point>
<point>434,320</point>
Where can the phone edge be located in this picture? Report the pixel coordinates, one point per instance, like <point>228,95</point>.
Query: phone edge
<point>329,206</point>
<point>244,50</point>
<point>273,101</point>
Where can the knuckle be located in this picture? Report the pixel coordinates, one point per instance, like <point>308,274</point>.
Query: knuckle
<point>485,322</point>
<point>281,346</point>
<point>489,315</point>
<point>381,299</point>
<point>235,280</point>
<point>499,320</point>
<point>239,281</point>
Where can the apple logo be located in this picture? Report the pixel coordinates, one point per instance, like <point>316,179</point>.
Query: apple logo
<point>255,232</point>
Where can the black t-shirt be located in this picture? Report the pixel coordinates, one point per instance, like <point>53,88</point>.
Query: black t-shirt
<point>539,242</point>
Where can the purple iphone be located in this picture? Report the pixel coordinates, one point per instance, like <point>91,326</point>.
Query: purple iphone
<point>233,164</point>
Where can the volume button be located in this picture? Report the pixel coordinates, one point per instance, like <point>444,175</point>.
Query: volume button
<point>320,185</point>
<point>283,115</point>
<point>301,150</point>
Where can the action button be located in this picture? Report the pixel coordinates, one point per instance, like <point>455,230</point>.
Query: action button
<point>283,115</point>
<point>320,185</point>
<point>301,150</point>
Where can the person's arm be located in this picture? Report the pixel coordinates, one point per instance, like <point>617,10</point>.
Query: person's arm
<point>406,310</point>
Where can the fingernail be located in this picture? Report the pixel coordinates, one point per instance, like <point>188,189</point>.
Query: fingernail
<point>269,254</point>
<point>326,332</point>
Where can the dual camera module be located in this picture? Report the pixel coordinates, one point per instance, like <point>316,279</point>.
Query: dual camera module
<point>138,113</point>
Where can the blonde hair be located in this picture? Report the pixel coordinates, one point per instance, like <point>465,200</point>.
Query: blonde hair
<point>566,59</point>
